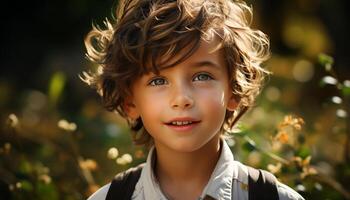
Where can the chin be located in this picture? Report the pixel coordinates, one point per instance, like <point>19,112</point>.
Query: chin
<point>187,147</point>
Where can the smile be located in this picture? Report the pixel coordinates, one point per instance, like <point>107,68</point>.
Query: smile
<point>179,123</point>
<point>182,125</point>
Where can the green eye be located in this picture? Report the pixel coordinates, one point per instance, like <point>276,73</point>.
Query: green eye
<point>202,77</point>
<point>157,81</point>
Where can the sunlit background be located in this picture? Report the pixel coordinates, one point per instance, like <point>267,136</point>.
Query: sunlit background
<point>57,142</point>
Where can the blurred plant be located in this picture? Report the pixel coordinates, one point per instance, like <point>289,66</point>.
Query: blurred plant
<point>43,161</point>
<point>287,131</point>
<point>342,100</point>
<point>292,155</point>
<point>56,86</point>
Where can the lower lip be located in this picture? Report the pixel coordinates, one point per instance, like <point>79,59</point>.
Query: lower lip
<point>187,127</point>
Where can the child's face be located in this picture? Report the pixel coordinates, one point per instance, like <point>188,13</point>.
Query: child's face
<point>195,91</point>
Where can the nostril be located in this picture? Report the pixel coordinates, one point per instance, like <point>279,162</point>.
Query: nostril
<point>182,101</point>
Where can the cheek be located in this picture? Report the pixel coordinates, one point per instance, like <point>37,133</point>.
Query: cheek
<point>215,98</point>
<point>214,104</point>
<point>150,105</point>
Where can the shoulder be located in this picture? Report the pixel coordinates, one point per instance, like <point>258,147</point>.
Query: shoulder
<point>123,182</point>
<point>270,180</point>
<point>101,193</point>
<point>287,193</point>
<point>284,191</point>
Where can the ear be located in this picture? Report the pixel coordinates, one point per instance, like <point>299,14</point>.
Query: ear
<point>130,108</point>
<point>233,102</point>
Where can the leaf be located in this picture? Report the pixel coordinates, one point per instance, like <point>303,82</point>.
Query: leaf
<point>26,185</point>
<point>25,167</point>
<point>326,61</point>
<point>249,145</point>
<point>303,152</point>
<point>346,88</point>
<point>56,86</point>
<point>47,191</point>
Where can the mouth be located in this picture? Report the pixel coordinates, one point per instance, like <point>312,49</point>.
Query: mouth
<point>182,121</point>
<point>183,124</point>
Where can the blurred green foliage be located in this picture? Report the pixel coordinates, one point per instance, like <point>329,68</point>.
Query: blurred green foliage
<point>57,142</point>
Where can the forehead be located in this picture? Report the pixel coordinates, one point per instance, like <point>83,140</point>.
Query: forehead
<point>208,50</point>
<point>206,53</point>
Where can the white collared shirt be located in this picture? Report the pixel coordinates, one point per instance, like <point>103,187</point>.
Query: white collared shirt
<point>229,181</point>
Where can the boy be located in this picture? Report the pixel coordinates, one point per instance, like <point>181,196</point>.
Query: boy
<point>181,72</point>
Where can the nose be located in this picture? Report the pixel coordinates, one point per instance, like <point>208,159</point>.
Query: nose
<point>182,98</point>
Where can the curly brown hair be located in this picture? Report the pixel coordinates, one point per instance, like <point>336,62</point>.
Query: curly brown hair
<point>145,30</point>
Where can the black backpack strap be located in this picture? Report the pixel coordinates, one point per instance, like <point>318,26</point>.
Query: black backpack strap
<point>123,185</point>
<point>262,185</point>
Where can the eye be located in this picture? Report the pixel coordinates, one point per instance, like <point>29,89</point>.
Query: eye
<point>202,77</point>
<point>157,81</point>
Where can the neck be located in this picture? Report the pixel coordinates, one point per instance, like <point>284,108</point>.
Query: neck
<point>186,170</point>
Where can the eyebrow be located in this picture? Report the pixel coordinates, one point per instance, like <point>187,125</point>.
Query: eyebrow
<point>206,63</point>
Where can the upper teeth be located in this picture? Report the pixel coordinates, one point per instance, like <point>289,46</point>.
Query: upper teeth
<point>181,122</point>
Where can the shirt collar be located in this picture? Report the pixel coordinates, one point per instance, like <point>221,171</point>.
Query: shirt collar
<point>150,184</point>
<point>220,183</point>
<point>218,187</point>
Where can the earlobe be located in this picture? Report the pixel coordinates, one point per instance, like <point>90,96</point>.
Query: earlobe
<point>130,108</point>
<point>233,103</point>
